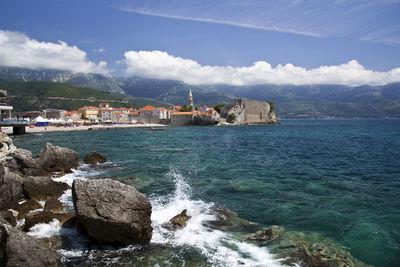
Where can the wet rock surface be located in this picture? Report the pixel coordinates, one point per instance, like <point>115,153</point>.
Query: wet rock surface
<point>57,159</point>
<point>112,212</point>
<point>94,157</point>
<point>19,249</point>
<point>43,188</point>
<point>27,206</point>
<point>177,222</point>
<point>44,217</point>
<point>54,205</point>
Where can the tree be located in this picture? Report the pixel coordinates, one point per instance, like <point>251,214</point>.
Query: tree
<point>231,118</point>
<point>186,109</point>
<point>218,107</point>
<point>271,104</point>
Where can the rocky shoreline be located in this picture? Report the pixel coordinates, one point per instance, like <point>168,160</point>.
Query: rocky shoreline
<point>109,212</point>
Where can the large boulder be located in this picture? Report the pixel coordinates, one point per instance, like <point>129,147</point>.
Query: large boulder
<point>112,212</point>
<point>19,249</point>
<point>94,157</point>
<point>43,188</point>
<point>57,159</point>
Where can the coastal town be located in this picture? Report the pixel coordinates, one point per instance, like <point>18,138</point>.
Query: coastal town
<point>243,111</point>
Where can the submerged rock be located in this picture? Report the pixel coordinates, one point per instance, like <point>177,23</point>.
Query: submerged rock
<point>268,234</point>
<point>319,255</point>
<point>57,159</point>
<point>19,249</point>
<point>94,157</point>
<point>177,222</point>
<point>227,220</point>
<point>112,212</point>
<point>43,188</point>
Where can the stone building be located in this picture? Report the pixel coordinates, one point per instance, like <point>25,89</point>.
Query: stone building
<point>246,111</point>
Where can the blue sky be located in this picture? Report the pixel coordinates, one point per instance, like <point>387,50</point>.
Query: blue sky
<point>185,37</point>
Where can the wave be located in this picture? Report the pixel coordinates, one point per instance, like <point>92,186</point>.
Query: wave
<point>218,248</point>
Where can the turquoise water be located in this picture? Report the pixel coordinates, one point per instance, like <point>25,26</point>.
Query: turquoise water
<point>337,178</point>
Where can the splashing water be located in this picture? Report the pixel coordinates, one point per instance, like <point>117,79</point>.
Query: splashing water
<point>219,247</point>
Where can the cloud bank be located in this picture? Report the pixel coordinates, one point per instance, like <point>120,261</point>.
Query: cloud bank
<point>18,50</point>
<point>161,65</point>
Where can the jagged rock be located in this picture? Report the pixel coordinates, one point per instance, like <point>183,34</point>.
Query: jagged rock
<point>19,249</point>
<point>8,216</point>
<point>112,212</point>
<point>269,234</point>
<point>54,205</point>
<point>28,206</point>
<point>55,159</point>
<point>177,222</point>
<point>94,157</point>
<point>43,188</point>
<point>44,217</point>
<point>20,160</point>
<point>11,191</point>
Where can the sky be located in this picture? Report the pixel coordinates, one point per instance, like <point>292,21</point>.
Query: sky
<point>237,42</point>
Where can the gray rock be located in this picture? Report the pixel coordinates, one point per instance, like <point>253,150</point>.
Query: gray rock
<point>11,191</point>
<point>43,188</point>
<point>57,159</point>
<point>20,160</point>
<point>94,157</point>
<point>8,216</point>
<point>19,249</point>
<point>2,172</point>
<point>112,212</point>
<point>6,144</point>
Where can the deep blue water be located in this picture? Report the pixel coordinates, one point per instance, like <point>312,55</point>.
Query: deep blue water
<point>337,178</point>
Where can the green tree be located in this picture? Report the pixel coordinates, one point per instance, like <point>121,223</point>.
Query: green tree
<point>186,109</point>
<point>218,107</point>
<point>231,118</point>
<point>271,104</point>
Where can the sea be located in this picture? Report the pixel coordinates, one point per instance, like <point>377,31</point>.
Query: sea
<point>335,182</point>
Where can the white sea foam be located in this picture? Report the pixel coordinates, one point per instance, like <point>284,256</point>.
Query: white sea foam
<point>42,230</point>
<point>219,247</point>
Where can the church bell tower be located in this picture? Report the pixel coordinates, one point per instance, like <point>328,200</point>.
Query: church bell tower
<point>191,100</point>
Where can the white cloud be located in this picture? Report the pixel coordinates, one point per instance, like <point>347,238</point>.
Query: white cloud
<point>18,50</point>
<point>161,65</point>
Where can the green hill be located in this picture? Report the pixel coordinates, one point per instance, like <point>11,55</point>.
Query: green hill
<point>35,95</point>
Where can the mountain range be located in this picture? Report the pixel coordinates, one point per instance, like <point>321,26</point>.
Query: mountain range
<point>305,101</point>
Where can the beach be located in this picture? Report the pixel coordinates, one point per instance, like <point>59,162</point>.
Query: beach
<point>8,130</point>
